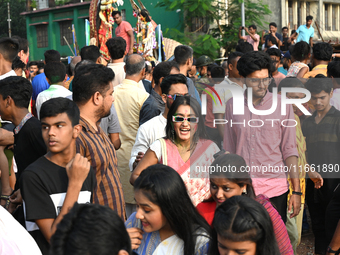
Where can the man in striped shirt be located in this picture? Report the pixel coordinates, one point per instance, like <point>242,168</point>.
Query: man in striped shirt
<point>92,92</point>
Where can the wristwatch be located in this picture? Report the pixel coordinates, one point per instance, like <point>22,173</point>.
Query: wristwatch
<point>297,193</point>
<point>329,250</point>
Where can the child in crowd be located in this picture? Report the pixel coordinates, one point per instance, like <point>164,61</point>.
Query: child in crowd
<point>242,226</point>
<point>226,184</point>
<point>300,56</point>
<point>166,221</point>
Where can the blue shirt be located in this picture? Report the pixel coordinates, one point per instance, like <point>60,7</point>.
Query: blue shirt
<point>304,33</point>
<point>39,84</point>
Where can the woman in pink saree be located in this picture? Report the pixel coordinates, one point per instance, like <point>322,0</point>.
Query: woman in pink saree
<point>185,148</point>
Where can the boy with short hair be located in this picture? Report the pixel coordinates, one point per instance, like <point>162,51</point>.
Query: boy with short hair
<point>52,184</point>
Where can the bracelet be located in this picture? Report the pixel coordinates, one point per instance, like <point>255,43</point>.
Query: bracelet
<point>297,193</point>
<point>329,250</point>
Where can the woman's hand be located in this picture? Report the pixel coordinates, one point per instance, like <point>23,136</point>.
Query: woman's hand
<point>136,236</point>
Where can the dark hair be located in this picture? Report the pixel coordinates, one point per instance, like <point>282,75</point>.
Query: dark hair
<point>82,63</point>
<point>145,14</point>
<point>244,47</point>
<point>89,79</point>
<point>254,61</point>
<point>55,72</point>
<point>192,102</point>
<point>253,26</point>
<point>18,88</point>
<point>239,177</point>
<point>274,52</point>
<point>241,218</point>
<point>317,85</point>
<point>293,31</point>
<point>23,43</point>
<point>272,24</point>
<point>217,73</point>
<point>9,48</point>
<point>300,51</point>
<point>163,69</point>
<point>333,70</point>
<point>322,51</point>
<point>164,187</point>
<point>284,28</point>
<point>90,229</point>
<point>116,47</point>
<point>58,105</point>
<point>18,64</point>
<point>134,64</point>
<point>114,13</point>
<point>272,40</point>
<point>90,53</point>
<point>51,56</point>
<point>172,79</point>
<point>33,63</point>
<point>309,17</point>
<point>290,82</point>
<point>182,53</point>
<point>232,56</point>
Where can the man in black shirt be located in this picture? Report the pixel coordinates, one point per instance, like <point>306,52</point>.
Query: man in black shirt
<point>52,184</point>
<point>273,33</point>
<point>322,132</point>
<point>285,44</point>
<point>15,95</point>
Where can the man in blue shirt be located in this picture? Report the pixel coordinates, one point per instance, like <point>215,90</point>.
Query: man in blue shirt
<point>273,33</point>
<point>305,32</point>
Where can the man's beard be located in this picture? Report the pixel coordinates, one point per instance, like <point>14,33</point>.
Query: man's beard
<point>101,112</point>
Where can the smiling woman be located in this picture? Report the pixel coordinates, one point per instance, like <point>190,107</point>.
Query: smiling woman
<point>184,147</point>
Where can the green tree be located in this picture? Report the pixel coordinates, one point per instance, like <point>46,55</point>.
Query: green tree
<point>213,11</point>
<point>18,23</point>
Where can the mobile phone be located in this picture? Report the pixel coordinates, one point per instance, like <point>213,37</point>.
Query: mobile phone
<point>242,27</point>
<point>220,153</point>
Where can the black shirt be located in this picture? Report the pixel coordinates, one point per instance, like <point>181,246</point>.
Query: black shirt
<point>285,44</point>
<point>152,107</point>
<point>43,188</point>
<point>279,36</point>
<point>28,145</point>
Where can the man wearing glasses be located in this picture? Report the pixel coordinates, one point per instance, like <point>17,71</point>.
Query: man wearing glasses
<point>265,145</point>
<point>172,87</point>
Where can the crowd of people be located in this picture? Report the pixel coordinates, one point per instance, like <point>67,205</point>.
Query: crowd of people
<point>137,157</point>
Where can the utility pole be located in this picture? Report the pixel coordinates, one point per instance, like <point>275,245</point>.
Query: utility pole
<point>243,18</point>
<point>9,21</point>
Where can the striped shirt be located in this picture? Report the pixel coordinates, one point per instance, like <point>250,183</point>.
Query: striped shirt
<point>98,149</point>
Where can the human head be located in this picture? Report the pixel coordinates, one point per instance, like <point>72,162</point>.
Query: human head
<point>51,56</point>
<point>8,49</point>
<point>117,17</point>
<point>193,131</point>
<point>252,29</point>
<point>18,66</point>
<point>184,56</point>
<point>210,67</point>
<point>272,27</point>
<point>202,64</point>
<point>73,63</point>
<point>333,71</point>
<point>159,188</point>
<point>55,72</point>
<point>217,74</point>
<point>322,52</point>
<point>287,61</point>
<point>145,15</point>
<point>301,51</point>
<point>135,67</point>
<point>60,124</point>
<point>244,47</point>
<point>91,229</point>
<point>225,184</point>
<point>309,20</point>
<point>116,47</point>
<point>232,64</point>
<point>241,223</point>
<point>174,84</point>
<point>285,31</point>
<point>271,41</point>
<point>275,55</point>
<point>162,70</point>
<point>292,82</point>
<point>257,68</point>
<point>33,66</point>
<point>23,48</point>
<point>91,53</point>
<point>15,92</point>
<point>321,90</point>
<point>92,86</point>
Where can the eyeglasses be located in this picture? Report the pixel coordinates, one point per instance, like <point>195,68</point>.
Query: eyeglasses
<point>182,119</point>
<point>255,82</point>
<point>173,97</point>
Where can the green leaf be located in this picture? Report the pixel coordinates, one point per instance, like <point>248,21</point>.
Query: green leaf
<point>206,37</point>
<point>173,5</point>
<point>193,7</point>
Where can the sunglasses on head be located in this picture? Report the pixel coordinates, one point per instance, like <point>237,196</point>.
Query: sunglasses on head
<point>182,119</point>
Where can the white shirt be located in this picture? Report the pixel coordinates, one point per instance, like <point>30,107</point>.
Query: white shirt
<point>10,73</point>
<point>147,133</point>
<point>118,69</point>
<point>14,239</point>
<point>335,100</point>
<point>52,92</point>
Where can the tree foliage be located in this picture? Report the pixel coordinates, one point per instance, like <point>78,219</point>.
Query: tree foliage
<point>18,23</point>
<point>219,35</point>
